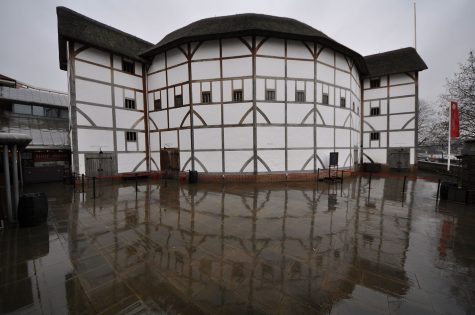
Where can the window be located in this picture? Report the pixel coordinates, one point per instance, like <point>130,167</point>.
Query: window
<point>375,83</point>
<point>157,104</point>
<point>325,99</point>
<point>374,136</point>
<point>237,96</point>
<point>300,96</point>
<point>270,95</point>
<point>131,136</point>
<point>178,100</point>
<point>129,103</point>
<point>128,66</point>
<point>51,112</point>
<point>22,109</point>
<point>374,111</point>
<point>342,102</point>
<point>38,111</point>
<point>353,106</point>
<point>205,97</point>
<point>64,113</point>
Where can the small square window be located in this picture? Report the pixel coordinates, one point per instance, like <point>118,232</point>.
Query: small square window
<point>206,97</point>
<point>178,100</point>
<point>374,136</point>
<point>325,98</point>
<point>374,111</point>
<point>353,106</point>
<point>375,83</point>
<point>270,95</point>
<point>157,104</point>
<point>237,96</point>
<point>128,66</point>
<point>131,136</point>
<point>300,96</point>
<point>342,102</point>
<point>129,103</point>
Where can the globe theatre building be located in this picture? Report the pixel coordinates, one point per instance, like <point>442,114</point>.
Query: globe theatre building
<point>241,94</point>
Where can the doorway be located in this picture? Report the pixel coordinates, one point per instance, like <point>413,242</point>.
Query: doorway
<point>170,162</point>
<point>100,164</point>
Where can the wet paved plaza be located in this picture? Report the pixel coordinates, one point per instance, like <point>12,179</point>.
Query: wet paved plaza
<point>243,248</point>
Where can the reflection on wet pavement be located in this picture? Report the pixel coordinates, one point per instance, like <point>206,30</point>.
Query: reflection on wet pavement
<point>234,249</point>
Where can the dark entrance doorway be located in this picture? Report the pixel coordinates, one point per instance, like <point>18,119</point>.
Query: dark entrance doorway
<point>100,164</point>
<point>170,162</point>
<point>399,158</point>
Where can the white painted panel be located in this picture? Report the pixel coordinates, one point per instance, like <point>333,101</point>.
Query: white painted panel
<point>160,118</point>
<point>260,89</point>
<point>207,49</point>
<point>341,115</point>
<point>118,97</point>
<point>234,112</point>
<point>375,93</point>
<point>237,67</point>
<point>139,101</point>
<point>117,62</point>
<point>227,91</point>
<point>383,139</point>
<point>158,63</point>
<point>300,69</point>
<point>234,47</point>
<point>275,112</point>
<point>309,90</point>
<point>290,90</point>
<point>203,70</point>
<point>101,116</point>
<point>126,162</point>
<point>82,163</point>
<point>324,137</point>
<point>210,113</point>
<point>125,79</point>
<point>93,92</point>
<point>270,137</point>
<point>398,121</point>
<point>378,155</point>
<point>401,139</point>
<point>342,139</point>
<point>274,159</point>
<point>296,49</point>
<point>342,79</point>
<point>402,90</point>
<point>326,56</point>
<point>377,122</point>
<point>297,112</point>
<point>184,157</point>
<point>325,73</point>
<point>177,75</point>
<point>169,139</point>
<point>155,161</point>
<point>272,47</point>
<point>234,161</point>
<point>216,92</point>
<point>212,161</point>
<point>402,105</point>
<point>81,120</point>
<point>196,89</point>
<point>185,139</point>
<point>238,138</point>
<point>207,138</point>
<point>300,137</point>
<point>93,140</point>
<point>154,141</point>
<point>297,159</point>
<point>95,55</point>
<point>157,80</point>
<point>88,70</point>
<point>326,113</point>
<point>176,116</point>
<point>248,89</point>
<point>174,57</point>
<point>341,62</point>
<point>164,98</point>
<point>400,78</point>
<point>138,68</point>
<point>270,67</point>
<point>126,118</point>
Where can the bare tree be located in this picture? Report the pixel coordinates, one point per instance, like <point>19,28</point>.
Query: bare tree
<point>432,127</point>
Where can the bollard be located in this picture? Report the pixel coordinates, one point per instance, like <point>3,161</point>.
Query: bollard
<point>82,182</point>
<point>404,185</point>
<point>342,177</point>
<point>135,182</point>
<point>438,190</point>
<point>318,174</point>
<point>94,187</point>
<point>370,181</point>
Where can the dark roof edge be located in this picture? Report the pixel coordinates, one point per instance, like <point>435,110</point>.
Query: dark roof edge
<point>413,62</point>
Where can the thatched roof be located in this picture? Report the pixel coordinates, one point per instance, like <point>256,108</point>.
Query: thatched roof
<point>250,24</point>
<point>395,61</point>
<point>77,27</point>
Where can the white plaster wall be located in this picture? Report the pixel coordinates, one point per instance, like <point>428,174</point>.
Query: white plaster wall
<point>300,137</point>
<point>402,90</point>
<point>175,56</point>
<point>160,118</point>
<point>101,116</point>
<point>176,116</point>
<point>297,112</point>
<point>297,159</point>
<point>95,55</point>
<point>169,139</point>
<point>126,118</point>
<point>128,161</point>
<point>272,47</point>
<point>93,140</point>
<point>158,63</point>
<point>82,163</point>
<point>401,139</point>
<point>297,49</point>
<point>125,79</point>
<point>207,138</point>
<point>203,70</point>
<point>325,137</point>
<point>234,112</point>
<point>270,67</point>
<point>342,79</point>
<point>398,121</point>
<point>238,138</point>
<point>378,155</point>
<point>300,69</point>
<point>326,56</point>
<point>211,160</point>
<point>157,80</point>
<point>91,71</point>
<point>208,49</point>
<point>375,93</point>
<point>210,113</point>
<point>326,113</point>
<point>342,138</point>
<point>154,139</point>
<point>234,160</point>
<point>402,105</point>
<point>377,122</point>
<point>234,47</point>
<point>400,78</point>
<point>237,67</point>
<point>341,62</point>
<point>274,159</point>
<point>325,73</point>
<point>275,112</point>
<point>185,139</point>
<point>270,137</point>
<point>341,115</point>
<point>94,92</point>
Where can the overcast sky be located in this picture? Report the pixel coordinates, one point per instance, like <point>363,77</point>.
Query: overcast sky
<point>445,29</point>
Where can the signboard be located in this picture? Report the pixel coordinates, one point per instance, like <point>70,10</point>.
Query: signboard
<point>333,158</point>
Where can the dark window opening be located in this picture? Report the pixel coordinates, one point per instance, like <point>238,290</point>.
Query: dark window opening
<point>205,97</point>
<point>178,100</point>
<point>374,136</point>
<point>131,136</point>
<point>270,95</point>
<point>157,104</point>
<point>342,102</point>
<point>374,111</point>
<point>128,66</point>
<point>375,83</point>
<point>300,96</point>
<point>129,103</point>
<point>237,96</point>
<point>325,99</point>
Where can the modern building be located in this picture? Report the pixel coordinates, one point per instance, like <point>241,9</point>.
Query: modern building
<point>239,94</point>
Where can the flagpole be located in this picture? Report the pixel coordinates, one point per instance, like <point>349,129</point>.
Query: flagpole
<point>450,120</point>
